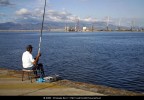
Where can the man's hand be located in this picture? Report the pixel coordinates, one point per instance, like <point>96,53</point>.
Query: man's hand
<point>39,54</point>
<point>37,58</point>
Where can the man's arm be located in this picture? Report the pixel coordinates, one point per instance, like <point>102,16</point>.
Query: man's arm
<point>37,58</point>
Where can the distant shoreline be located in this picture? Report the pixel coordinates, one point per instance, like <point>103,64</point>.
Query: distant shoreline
<point>21,30</point>
<point>61,30</point>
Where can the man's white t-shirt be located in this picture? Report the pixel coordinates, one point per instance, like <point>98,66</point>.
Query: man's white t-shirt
<point>27,59</point>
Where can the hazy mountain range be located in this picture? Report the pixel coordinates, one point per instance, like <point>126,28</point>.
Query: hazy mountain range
<point>54,25</point>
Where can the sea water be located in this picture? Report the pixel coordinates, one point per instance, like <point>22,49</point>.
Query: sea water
<point>113,59</point>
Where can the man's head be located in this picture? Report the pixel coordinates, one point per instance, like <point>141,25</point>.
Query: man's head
<point>29,48</point>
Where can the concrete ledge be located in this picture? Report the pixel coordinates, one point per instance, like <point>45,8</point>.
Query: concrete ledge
<point>11,85</point>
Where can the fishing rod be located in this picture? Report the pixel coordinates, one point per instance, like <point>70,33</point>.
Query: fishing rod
<point>42,27</point>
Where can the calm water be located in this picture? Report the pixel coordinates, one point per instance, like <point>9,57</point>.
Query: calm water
<point>113,59</point>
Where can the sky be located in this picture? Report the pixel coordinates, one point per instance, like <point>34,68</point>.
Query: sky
<point>122,12</point>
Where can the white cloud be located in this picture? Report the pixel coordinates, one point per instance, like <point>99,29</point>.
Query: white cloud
<point>23,11</point>
<point>88,19</point>
<point>50,15</point>
<point>36,13</point>
<point>58,16</point>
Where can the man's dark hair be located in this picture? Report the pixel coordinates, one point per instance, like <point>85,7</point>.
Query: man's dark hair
<point>29,47</point>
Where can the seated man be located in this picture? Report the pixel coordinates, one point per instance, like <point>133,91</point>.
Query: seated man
<point>29,62</point>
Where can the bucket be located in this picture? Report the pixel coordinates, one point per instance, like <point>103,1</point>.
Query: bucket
<point>40,80</point>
